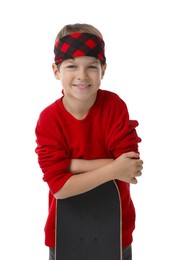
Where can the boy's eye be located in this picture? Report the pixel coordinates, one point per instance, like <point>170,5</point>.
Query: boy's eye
<point>92,67</point>
<point>71,66</point>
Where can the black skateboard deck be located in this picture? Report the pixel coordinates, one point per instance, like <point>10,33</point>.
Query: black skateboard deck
<point>88,226</point>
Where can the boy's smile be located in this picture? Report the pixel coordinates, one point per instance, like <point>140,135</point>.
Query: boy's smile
<point>82,86</point>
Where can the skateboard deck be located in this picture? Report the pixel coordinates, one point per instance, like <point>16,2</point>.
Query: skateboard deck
<point>88,226</point>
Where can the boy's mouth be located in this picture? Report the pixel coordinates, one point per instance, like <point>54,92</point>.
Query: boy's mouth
<point>82,86</point>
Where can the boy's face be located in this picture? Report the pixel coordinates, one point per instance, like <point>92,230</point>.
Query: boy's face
<point>81,76</point>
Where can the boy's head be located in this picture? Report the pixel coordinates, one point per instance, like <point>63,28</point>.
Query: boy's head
<point>80,62</point>
<point>75,40</point>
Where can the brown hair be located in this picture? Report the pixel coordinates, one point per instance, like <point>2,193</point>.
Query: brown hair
<point>78,27</point>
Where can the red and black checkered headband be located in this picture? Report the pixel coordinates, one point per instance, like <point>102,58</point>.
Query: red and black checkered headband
<point>79,44</point>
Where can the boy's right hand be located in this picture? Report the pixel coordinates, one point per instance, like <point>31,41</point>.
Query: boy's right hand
<point>128,167</point>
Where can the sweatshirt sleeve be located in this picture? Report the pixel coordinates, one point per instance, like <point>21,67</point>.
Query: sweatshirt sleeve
<point>53,156</point>
<point>121,132</point>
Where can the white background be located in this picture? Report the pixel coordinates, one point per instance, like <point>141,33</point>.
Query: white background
<point>139,57</point>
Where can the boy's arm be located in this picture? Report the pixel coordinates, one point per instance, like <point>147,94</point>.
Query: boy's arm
<point>125,168</point>
<point>80,165</point>
<point>121,135</point>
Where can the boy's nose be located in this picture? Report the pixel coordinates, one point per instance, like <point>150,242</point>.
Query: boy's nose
<point>82,74</point>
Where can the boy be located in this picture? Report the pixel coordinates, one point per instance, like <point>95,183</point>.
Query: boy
<point>85,138</point>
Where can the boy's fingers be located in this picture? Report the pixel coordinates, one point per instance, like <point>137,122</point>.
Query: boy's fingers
<point>134,181</point>
<point>132,155</point>
<point>138,173</point>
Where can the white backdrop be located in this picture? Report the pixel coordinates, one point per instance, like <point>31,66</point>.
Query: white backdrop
<point>138,37</point>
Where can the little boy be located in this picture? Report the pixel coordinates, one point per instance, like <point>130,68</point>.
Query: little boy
<point>86,138</point>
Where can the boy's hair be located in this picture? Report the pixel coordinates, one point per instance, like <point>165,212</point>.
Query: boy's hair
<point>78,27</point>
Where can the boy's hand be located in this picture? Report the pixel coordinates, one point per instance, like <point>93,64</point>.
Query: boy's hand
<point>128,167</point>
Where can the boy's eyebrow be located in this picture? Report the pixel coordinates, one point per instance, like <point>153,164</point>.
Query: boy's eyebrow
<point>71,60</point>
<point>95,61</point>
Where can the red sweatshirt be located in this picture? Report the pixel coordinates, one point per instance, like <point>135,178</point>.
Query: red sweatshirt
<point>106,132</point>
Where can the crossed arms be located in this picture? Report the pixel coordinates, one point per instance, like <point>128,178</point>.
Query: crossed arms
<point>88,174</point>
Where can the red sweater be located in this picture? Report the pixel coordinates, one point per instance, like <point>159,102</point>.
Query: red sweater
<point>106,132</point>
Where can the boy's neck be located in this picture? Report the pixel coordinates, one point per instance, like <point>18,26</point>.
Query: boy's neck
<point>78,109</point>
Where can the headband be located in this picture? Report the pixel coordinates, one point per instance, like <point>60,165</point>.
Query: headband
<point>79,44</point>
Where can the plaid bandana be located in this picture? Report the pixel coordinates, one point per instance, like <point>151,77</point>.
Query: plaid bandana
<point>79,44</point>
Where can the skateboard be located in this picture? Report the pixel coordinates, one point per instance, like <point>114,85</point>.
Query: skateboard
<point>88,226</point>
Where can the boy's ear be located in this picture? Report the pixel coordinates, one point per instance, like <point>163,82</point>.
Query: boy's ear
<point>103,69</point>
<point>56,71</point>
